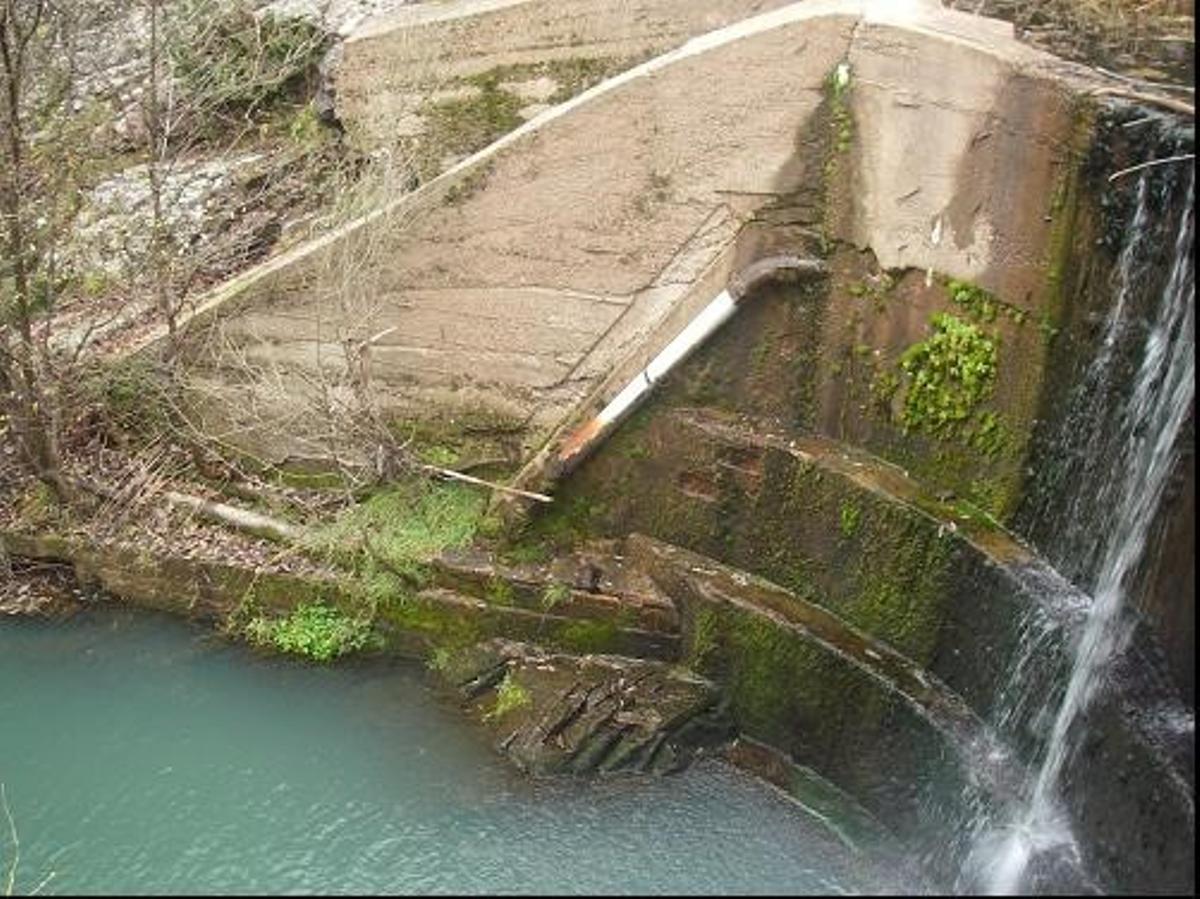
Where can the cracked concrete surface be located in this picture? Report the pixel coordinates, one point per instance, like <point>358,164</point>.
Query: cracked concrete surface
<point>391,63</point>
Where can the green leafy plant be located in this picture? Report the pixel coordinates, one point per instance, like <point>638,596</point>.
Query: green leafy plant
<point>510,696</point>
<point>849,515</point>
<point>305,128</point>
<point>313,630</point>
<point>440,659</point>
<point>402,527</point>
<point>976,300</point>
<point>949,375</point>
<point>989,435</point>
<point>982,305</point>
<point>554,595</point>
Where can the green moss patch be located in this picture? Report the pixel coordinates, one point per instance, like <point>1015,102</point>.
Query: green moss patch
<point>782,687</point>
<point>589,636</point>
<point>981,305</point>
<point>462,126</point>
<point>402,527</point>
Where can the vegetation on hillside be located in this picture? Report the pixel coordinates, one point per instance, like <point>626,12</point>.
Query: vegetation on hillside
<point>1149,39</point>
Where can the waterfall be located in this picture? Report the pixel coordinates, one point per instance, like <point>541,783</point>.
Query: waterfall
<point>1120,498</point>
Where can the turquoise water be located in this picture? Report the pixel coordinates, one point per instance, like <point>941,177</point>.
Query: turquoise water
<point>141,754</point>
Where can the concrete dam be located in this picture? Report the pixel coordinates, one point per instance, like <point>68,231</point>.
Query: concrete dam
<point>853,347</point>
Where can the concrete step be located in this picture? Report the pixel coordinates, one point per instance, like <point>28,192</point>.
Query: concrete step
<point>438,617</point>
<point>924,573</point>
<point>590,583</point>
<point>802,680</point>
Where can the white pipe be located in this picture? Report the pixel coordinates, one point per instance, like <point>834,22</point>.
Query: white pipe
<point>718,311</point>
<point>711,317</point>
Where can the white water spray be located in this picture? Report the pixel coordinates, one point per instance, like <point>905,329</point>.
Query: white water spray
<point>1150,422</point>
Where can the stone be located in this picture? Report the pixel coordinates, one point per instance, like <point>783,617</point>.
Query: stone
<point>586,714</point>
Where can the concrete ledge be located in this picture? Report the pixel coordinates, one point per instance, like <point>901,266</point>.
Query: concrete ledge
<point>206,590</point>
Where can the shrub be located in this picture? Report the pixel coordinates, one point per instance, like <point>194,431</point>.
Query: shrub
<point>230,64</point>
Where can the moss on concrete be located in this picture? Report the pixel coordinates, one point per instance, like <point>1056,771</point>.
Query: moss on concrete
<point>463,125</point>
<point>572,75</point>
<point>947,376</point>
<point>902,582</point>
<point>781,687</point>
<point>491,107</point>
<point>420,625</point>
<point>573,517</point>
<point>589,636</point>
<point>981,305</point>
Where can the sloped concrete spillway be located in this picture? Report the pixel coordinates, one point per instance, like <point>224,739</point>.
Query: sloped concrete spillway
<point>852,531</point>
<point>541,270</point>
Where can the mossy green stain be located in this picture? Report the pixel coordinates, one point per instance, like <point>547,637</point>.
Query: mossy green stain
<point>572,518</point>
<point>573,75</point>
<point>702,635</point>
<point>466,124</point>
<point>500,592</point>
<point>589,636</point>
<point>442,626</point>
<point>784,688</point>
<point>848,516</point>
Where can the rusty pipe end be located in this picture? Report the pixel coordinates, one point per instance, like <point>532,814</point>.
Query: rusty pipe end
<point>747,279</point>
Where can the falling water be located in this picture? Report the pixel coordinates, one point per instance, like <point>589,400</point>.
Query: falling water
<point>1149,424</point>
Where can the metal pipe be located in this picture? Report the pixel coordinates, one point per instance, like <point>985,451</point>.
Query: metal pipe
<point>722,307</point>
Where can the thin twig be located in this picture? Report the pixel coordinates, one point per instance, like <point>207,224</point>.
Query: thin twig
<point>45,880</point>
<point>1155,84</point>
<point>12,828</point>
<point>471,479</point>
<point>1153,99</point>
<point>370,341</point>
<point>1151,163</point>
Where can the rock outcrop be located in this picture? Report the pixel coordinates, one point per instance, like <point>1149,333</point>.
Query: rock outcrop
<point>553,713</point>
